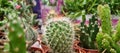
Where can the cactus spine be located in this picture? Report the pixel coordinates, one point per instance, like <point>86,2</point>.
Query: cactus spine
<point>16,35</point>
<point>88,32</point>
<point>107,41</point>
<point>59,35</point>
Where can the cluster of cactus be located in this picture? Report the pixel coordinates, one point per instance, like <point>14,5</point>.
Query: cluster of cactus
<point>107,39</point>
<point>16,35</point>
<point>88,32</point>
<point>59,35</point>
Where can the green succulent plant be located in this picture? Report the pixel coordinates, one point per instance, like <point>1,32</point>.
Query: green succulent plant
<point>3,5</point>
<point>59,35</point>
<point>73,8</point>
<point>16,34</point>
<point>107,40</point>
<point>88,32</point>
<point>105,16</point>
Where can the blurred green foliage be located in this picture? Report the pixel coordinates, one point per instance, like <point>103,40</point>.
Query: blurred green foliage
<point>73,8</point>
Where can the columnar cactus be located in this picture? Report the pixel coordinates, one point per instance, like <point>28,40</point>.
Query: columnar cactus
<point>88,32</point>
<point>59,35</point>
<point>105,16</point>
<point>107,41</point>
<point>16,35</point>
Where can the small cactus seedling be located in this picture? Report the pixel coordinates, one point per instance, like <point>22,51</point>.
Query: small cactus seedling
<point>59,35</point>
<point>88,32</point>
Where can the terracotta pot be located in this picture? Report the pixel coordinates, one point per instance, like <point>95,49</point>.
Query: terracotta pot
<point>91,51</point>
<point>39,47</point>
<point>77,48</point>
<point>83,50</point>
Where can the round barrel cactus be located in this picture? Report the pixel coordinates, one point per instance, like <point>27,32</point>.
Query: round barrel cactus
<point>59,35</point>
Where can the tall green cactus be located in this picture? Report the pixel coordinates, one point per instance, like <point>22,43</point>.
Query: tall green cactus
<point>16,35</point>
<point>88,32</point>
<point>59,35</point>
<point>106,40</point>
<point>105,15</point>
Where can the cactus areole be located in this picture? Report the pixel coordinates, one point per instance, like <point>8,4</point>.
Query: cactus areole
<point>58,34</point>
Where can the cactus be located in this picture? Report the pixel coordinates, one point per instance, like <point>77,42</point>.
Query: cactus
<point>59,35</point>
<point>117,33</point>
<point>104,14</point>
<point>103,41</point>
<point>15,11</point>
<point>16,34</point>
<point>106,38</point>
<point>88,32</point>
<point>31,36</point>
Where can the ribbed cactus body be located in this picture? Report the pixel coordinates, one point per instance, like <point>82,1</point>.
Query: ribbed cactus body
<point>59,35</point>
<point>105,15</point>
<point>16,35</point>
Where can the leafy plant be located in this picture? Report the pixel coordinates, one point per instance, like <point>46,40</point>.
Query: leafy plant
<point>114,5</point>
<point>3,5</point>
<point>26,13</point>
<point>22,16</point>
<point>73,8</point>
